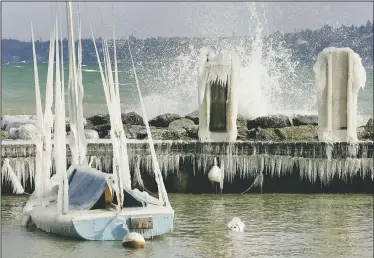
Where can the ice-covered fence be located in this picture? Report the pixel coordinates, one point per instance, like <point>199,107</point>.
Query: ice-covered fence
<point>314,160</point>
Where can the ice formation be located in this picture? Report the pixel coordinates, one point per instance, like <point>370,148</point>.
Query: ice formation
<point>78,143</point>
<point>220,70</point>
<point>312,161</point>
<point>236,224</point>
<point>215,174</point>
<point>339,74</point>
<point>60,135</point>
<point>121,170</point>
<point>162,193</point>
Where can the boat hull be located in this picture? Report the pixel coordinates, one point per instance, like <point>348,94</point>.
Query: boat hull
<point>104,224</point>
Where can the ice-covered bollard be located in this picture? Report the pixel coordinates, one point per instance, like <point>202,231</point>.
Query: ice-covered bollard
<point>339,75</point>
<point>218,105</point>
<point>133,240</point>
<point>215,173</point>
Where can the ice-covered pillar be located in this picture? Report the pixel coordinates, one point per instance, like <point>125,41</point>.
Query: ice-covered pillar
<point>218,105</point>
<point>339,75</point>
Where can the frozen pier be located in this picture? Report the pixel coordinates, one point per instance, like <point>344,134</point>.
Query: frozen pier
<point>185,164</point>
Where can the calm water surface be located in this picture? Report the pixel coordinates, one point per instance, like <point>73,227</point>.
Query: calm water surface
<point>276,225</point>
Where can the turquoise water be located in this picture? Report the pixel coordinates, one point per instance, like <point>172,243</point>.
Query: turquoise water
<point>167,87</point>
<point>277,225</point>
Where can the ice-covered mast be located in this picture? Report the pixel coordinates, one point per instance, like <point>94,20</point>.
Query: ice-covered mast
<point>43,159</point>
<point>60,135</point>
<point>121,169</point>
<point>162,194</point>
<point>77,141</point>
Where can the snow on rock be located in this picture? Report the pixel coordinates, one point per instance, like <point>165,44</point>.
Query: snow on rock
<point>91,134</point>
<point>28,132</point>
<point>133,240</point>
<point>9,122</point>
<point>14,133</point>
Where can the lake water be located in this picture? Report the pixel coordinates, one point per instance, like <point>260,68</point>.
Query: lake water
<point>276,225</point>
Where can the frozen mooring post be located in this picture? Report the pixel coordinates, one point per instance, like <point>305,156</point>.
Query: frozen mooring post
<point>339,75</point>
<point>186,164</point>
<point>218,105</point>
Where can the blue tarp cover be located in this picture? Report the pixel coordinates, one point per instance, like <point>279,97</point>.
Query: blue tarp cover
<point>86,185</point>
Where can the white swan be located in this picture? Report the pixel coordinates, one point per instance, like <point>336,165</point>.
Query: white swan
<point>236,225</point>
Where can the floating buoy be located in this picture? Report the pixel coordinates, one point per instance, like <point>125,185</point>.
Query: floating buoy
<point>236,225</point>
<point>215,173</point>
<point>133,240</point>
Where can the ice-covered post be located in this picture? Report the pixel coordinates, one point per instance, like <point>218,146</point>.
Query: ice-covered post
<point>218,105</point>
<point>339,75</point>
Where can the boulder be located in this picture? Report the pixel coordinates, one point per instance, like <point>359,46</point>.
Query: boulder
<point>163,134</point>
<point>28,132</point>
<point>194,116</point>
<point>104,131</point>
<point>132,118</point>
<point>163,120</point>
<point>293,133</point>
<point>91,134</point>
<point>264,122</point>
<point>305,120</point>
<point>370,123</point>
<point>100,119</point>
<point>9,122</point>
<point>14,133</point>
<point>4,135</point>
<point>365,133</point>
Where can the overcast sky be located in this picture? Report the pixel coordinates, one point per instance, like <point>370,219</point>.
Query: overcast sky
<point>181,19</point>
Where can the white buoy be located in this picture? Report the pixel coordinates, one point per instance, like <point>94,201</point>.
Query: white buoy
<point>215,173</point>
<point>133,240</point>
<point>236,225</point>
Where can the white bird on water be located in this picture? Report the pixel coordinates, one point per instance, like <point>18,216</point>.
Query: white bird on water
<point>236,225</point>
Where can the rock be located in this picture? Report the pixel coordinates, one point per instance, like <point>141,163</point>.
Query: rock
<point>99,119</point>
<point>163,120</point>
<point>103,130</point>
<point>370,123</point>
<point>293,133</point>
<point>9,122</point>
<point>132,118</point>
<point>28,132</point>
<point>163,134</point>
<point>194,116</point>
<point>91,134</point>
<point>186,126</point>
<point>365,133</point>
<point>14,133</point>
<point>133,240</point>
<point>243,132</point>
<point>88,125</point>
<point>304,120</point>
<point>4,135</point>
<point>264,122</point>
<point>182,123</point>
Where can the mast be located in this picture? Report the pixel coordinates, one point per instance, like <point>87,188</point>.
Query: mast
<point>78,142</point>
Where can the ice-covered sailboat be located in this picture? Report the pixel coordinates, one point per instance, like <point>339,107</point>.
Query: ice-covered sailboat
<point>83,202</point>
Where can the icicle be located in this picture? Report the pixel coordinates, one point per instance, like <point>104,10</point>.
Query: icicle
<point>137,174</point>
<point>7,174</point>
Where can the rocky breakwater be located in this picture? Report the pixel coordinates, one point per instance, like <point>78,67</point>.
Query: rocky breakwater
<point>174,127</point>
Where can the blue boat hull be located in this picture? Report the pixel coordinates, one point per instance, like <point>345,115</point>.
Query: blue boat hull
<point>103,224</point>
